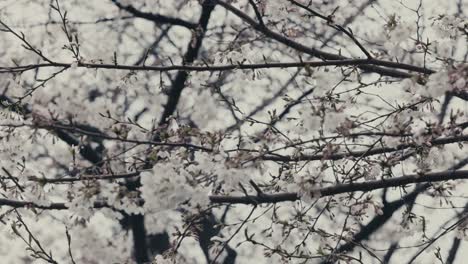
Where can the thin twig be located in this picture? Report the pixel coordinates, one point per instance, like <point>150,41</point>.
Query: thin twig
<point>233,235</point>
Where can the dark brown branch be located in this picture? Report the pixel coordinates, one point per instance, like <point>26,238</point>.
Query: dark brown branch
<point>453,251</point>
<point>26,44</point>
<point>84,178</point>
<point>189,57</point>
<point>388,210</point>
<point>52,206</point>
<point>69,245</point>
<point>107,137</point>
<point>137,222</point>
<point>362,153</point>
<point>325,55</point>
<point>156,18</point>
<point>292,196</point>
<point>86,150</point>
<point>448,97</point>
<point>257,12</point>
<point>291,105</point>
<point>344,188</point>
<point>205,68</point>
<point>39,253</point>
<point>265,103</point>
<point>379,220</point>
<point>332,24</point>
<point>349,20</point>
<point>431,241</point>
<point>14,179</point>
<point>225,243</point>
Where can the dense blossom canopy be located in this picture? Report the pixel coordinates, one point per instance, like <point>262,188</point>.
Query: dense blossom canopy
<point>233,131</point>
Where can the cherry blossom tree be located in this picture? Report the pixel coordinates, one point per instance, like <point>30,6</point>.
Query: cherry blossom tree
<point>233,131</point>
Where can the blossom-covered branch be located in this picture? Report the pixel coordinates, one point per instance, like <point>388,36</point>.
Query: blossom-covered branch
<point>325,55</point>
<point>292,196</point>
<point>363,153</point>
<point>343,188</point>
<point>206,67</point>
<point>283,130</point>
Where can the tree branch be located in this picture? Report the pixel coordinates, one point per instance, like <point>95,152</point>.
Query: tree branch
<point>189,57</point>
<point>291,196</point>
<point>325,55</point>
<point>362,153</point>
<point>204,68</point>
<point>344,188</point>
<point>156,18</point>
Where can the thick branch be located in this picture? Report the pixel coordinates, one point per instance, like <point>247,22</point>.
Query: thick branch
<point>81,131</point>
<point>292,196</point>
<point>52,206</point>
<point>379,220</point>
<point>195,68</point>
<point>156,18</point>
<point>189,57</point>
<point>84,178</point>
<point>344,188</point>
<point>453,251</point>
<point>85,150</point>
